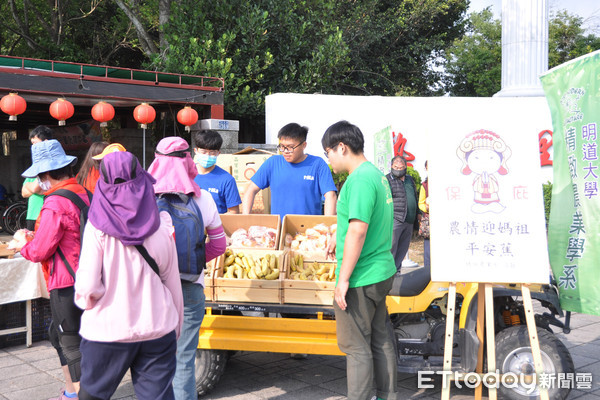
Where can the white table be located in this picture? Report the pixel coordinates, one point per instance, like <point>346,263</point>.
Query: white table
<point>21,280</point>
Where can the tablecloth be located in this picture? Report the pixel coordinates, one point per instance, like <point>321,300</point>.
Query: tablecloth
<point>21,280</point>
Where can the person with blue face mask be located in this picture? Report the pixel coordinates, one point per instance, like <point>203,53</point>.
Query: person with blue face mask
<point>212,178</point>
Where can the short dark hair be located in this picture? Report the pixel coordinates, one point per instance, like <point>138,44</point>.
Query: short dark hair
<point>345,132</point>
<point>61,173</point>
<point>207,139</point>
<point>42,132</point>
<point>293,131</point>
<point>401,159</point>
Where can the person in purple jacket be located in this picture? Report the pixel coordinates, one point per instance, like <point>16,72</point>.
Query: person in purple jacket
<point>128,286</point>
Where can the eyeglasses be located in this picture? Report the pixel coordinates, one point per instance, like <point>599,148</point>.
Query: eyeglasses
<point>326,152</point>
<point>288,149</point>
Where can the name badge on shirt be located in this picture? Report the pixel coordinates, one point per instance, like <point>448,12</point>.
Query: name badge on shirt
<point>213,190</point>
<point>309,178</point>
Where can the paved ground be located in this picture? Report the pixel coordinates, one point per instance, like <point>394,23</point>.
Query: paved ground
<point>34,373</point>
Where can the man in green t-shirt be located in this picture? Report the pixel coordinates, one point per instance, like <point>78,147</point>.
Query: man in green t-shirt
<point>31,189</point>
<point>366,268</point>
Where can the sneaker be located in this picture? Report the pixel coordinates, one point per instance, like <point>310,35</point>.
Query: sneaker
<point>63,397</point>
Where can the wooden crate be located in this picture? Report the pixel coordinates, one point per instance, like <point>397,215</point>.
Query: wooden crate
<point>307,292</point>
<point>249,290</point>
<point>209,276</point>
<point>293,224</point>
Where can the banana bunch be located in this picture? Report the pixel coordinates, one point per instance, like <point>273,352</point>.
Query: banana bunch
<point>240,266</point>
<point>324,272</point>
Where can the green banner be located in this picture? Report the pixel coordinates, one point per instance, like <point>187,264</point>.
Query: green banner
<point>573,93</point>
<point>383,150</point>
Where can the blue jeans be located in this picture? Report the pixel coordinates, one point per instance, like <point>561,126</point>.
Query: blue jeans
<point>184,383</point>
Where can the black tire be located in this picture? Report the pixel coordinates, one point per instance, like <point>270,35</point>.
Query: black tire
<point>13,218</point>
<point>210,365</point>
<point>513,354</point>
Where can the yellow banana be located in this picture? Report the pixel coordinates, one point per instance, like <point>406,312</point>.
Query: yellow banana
<point>245,263</point>
<point>265,267</point>
<point>229,260</point>
<point>273,262</point>
<point>228,252</point>
<point>252,274</point>
<point>273,275</point>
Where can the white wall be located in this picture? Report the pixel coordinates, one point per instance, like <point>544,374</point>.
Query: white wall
<point>419,119</point>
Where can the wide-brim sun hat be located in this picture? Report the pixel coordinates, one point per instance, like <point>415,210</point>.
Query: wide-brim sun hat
<point>111,148</point>
<point>46,156</point>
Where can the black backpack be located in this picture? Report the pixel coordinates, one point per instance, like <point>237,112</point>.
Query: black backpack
<point>83,217</point>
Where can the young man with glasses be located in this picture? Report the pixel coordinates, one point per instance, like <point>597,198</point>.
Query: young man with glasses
<point>365,266</point>
<point>212,178</point>
<point>298,181</point>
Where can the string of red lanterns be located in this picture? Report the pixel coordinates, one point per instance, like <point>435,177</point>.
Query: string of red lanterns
<point>62,109</point>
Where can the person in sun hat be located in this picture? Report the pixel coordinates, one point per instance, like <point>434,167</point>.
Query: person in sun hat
<point>111,148</point>
<point>56,245</point>
<point>174,171</point>
<point>132,314</point>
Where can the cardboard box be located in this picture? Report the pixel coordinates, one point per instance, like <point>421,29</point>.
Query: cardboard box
<point>249,290</point>
<point>294,224</point>
<point>243,164</point>
<point>262,200</point>
<point>307,292</point>
<point>233,222</point>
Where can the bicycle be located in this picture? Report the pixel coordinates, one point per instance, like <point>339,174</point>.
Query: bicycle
<point>14,215</point>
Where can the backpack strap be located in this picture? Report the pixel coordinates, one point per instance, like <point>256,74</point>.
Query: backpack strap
<point>148,258</point>
<point>68,194</point>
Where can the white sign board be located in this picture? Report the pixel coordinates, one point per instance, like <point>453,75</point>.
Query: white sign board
<point>486,203</point>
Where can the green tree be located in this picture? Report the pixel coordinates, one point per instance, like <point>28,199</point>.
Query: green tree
<point>393,44</point>
<point>473,62</point>
<point>92,31</point>
<point>567,39</point>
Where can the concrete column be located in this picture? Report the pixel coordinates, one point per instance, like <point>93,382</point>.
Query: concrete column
<point>228,129</point>
<point>524,47</point>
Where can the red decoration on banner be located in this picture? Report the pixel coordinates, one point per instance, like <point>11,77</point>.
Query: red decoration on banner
<point>62,110</point>
<point>144,114</point>
<point>399,148</point>
<point>13,105</point>
<point>544,146</point>
<point>103,112</point>
<point>187,116</point>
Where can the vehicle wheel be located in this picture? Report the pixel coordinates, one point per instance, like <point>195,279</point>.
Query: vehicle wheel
<point>210,365</point>
<point>513,354</point>
<point>13,218</point>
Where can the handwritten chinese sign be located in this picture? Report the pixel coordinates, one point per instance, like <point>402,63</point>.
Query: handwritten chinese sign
<point>487,216</point>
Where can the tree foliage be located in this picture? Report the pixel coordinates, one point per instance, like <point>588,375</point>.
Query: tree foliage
<point>473,62</point>
<point>382,47</point>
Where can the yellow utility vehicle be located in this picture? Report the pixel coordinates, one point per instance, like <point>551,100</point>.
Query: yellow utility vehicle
<point>418,311</point>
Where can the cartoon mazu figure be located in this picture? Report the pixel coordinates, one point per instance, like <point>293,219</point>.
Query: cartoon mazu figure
<point>484,154</point>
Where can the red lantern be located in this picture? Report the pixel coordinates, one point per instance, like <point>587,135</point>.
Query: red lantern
<point>62,110</point>
<point>13,105</point>
<point>144,114</point>
<point>187,116</point>
<point>103,112</point>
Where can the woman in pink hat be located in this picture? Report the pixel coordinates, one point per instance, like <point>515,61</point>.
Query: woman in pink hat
<point>174,171</point>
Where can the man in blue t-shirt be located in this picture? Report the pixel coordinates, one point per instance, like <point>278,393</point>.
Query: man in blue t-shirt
<point>212,178</point>
<point>298,181</point>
